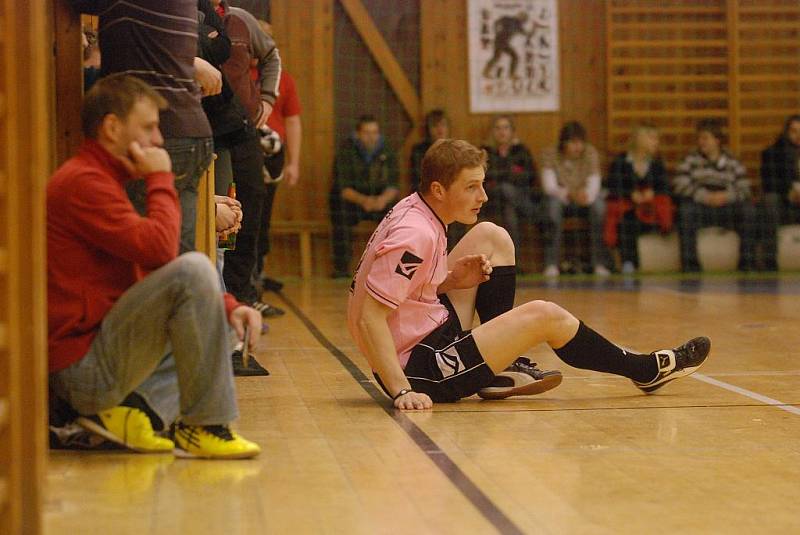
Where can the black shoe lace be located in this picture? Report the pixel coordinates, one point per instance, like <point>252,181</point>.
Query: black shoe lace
<point>219,431</point>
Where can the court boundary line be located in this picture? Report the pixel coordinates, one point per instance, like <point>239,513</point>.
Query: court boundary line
<point>586,409</point>
<point>449,468</point>
<point>748,393</point>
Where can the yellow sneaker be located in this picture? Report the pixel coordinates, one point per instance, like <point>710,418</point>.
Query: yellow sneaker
<point>127,427</point>
<point>211,442</point>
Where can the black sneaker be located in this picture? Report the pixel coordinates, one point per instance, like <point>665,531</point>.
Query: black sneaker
<point>522,378</point>
<point>676,363</point>
<point>270,284</point>
<point>267,310</point>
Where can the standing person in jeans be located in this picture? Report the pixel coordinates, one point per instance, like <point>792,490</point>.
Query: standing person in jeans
<point>364,187</point>
<point>138,338</point>
<point>250,46</point>
<point>714,190</point>
<point>510,178</point>
<point>157,42</point>
<point>571,182</point>
<point>638,196</point>
<point>285,163</point>
<point>780,180</point>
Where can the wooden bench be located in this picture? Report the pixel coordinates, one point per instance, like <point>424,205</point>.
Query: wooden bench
<point>305,229</point>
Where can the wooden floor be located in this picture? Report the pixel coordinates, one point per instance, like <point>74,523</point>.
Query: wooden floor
<point>715,453</point>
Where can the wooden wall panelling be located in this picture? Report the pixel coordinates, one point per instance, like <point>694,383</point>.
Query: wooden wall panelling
<point>668,65</point>
<point>767,73</point>
<point>305,39</point>
<point>582,56</point>
<point>25,164</point>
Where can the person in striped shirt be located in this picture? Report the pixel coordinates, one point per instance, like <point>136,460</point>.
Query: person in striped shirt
<point>713,190</point>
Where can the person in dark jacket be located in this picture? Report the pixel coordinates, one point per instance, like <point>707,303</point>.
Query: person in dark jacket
<point>364,187</point>
<point>510,178</point>
<point>237,143</point>
<point>638,196</point>
<point>436,127</point>
<point>780,182</point>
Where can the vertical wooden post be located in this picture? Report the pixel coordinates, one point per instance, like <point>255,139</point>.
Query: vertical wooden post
<point>25,164</point>
<point>68,71</point>
<point>734,104</point>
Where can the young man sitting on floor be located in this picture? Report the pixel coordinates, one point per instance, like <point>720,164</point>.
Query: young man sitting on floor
<point>138,336</point>
<point>412,305</point>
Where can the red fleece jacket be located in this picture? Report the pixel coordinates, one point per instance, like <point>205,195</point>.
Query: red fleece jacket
<point>98,246</point>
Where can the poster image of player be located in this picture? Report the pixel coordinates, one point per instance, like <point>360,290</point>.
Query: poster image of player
<point>513,58</point>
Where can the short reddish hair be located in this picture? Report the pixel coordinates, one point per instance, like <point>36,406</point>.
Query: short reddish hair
<point>446,159</point>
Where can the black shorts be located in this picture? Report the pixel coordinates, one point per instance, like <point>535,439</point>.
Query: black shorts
<point>446,364</point>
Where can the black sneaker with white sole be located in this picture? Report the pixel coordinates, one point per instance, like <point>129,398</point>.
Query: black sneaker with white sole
<point>267,310</point>
<point>676,363</point>
<point>522,378</point>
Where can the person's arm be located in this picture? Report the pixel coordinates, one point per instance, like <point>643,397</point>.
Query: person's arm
<point>101,214</point>
<point>294,136</point>
<point>660,185</point>
<point>268,61</point>
<point>685,185</point>
<point>741,185</point>
<point>382,355</point>
<point>550,184</point>
<point>594,181</point>
<point>351,195</point>
<point>214,42</point>
<point>616,179</point>
<point>468,272</point>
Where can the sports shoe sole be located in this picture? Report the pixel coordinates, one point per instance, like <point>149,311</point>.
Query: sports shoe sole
<point>94,427</point>
<point>548,382</point>
<point>652,389</point>
<point>183,454</point>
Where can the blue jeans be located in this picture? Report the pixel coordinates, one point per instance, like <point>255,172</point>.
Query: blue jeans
<point>739,216</point>
<point>190,158</point>
<point>507,204</point>
<point>167,339</point>
<point>554,229</point>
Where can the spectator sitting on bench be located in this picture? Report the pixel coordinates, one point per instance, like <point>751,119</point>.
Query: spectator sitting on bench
<point>510,179</point>
<point>364,187</point>
<point>714,191</point>
<point>571,183</point>
<point>780,180</point>
<point>638,196</point>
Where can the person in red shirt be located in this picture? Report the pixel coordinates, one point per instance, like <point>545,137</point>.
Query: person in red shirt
<point>285,122</point>
<point>137,337</point>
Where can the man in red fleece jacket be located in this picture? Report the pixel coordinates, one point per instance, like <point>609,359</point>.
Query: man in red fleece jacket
<point>137,336</point>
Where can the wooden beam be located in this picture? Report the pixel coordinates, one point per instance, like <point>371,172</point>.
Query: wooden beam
<point>384,57</point>
<point>68,70</point>
<point>732,9</point>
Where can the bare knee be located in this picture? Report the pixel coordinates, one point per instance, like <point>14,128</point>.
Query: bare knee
<point>502,247</point>
<point>545,312</point>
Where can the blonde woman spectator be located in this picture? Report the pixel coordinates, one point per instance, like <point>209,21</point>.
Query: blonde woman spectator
<point>638,196</point>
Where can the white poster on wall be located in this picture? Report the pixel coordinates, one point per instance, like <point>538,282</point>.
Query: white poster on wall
<point>513,55</point>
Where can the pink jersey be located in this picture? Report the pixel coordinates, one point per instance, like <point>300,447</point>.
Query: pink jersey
<point>404,263</point>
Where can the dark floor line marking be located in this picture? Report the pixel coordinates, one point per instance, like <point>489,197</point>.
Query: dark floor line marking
<point>446,465</point>
<point>577,409</point>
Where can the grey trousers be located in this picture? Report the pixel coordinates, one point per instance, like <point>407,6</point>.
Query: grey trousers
<point>166,339</point>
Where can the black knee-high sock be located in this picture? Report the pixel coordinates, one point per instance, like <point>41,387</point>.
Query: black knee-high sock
<point>496,296</point>
<point>590,351</point>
